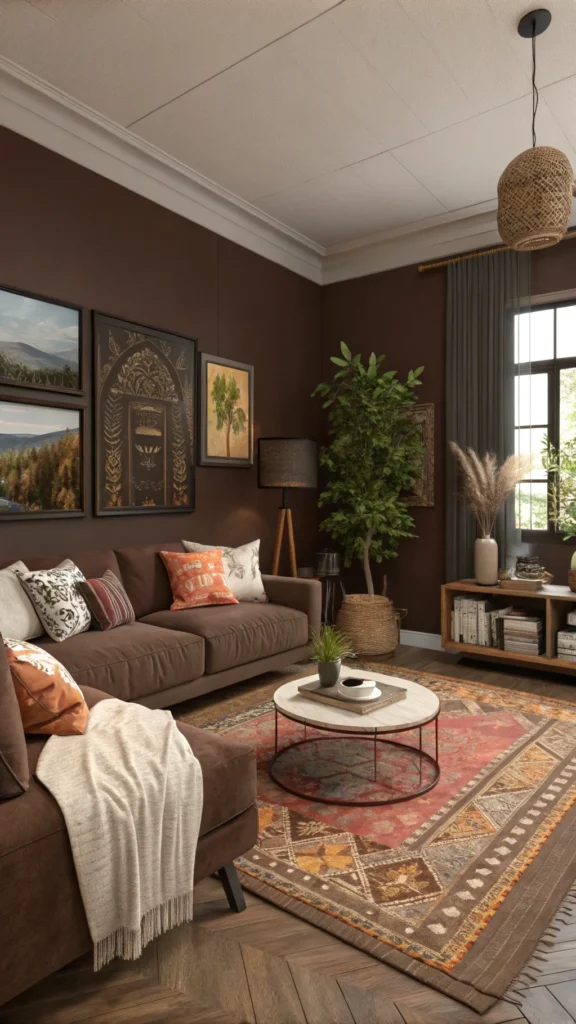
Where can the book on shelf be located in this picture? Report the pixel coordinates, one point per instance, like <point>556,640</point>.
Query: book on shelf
<point>571,618</point>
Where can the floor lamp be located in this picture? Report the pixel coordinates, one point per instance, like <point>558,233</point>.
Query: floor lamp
<point>286,462</point>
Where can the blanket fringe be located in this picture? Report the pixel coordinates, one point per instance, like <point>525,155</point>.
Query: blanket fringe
<point>128,943</point>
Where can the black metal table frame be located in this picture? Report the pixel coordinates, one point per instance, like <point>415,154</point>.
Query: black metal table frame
<point>372,736</point>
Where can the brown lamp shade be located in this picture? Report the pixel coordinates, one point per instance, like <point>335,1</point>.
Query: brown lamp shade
<point>287,462</point>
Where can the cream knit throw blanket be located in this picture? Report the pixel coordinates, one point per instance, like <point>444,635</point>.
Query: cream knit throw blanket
<point>130,790</point>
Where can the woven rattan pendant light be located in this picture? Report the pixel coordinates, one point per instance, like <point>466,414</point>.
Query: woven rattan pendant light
<point>535,191</point>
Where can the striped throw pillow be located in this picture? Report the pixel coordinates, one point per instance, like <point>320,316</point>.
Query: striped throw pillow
<point>107,600</point>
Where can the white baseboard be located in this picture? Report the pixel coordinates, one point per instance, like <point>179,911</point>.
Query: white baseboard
<point>429,641</point>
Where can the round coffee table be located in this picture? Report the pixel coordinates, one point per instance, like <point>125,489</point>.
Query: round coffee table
<point>340,764</point>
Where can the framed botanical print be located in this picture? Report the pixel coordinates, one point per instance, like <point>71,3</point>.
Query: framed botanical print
<point>226,429</point>
<point>423,493</point>
<point>144,419</point>
<point>40,343</point>
<point>41,459</point>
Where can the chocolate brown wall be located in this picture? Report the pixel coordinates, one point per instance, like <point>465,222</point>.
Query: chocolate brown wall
<point>403,314</point>
<point>66,233</point>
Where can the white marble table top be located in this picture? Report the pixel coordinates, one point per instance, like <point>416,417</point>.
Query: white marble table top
<point>418,707</point>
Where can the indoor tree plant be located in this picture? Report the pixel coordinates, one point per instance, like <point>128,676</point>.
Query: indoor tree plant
<point>485,487</point>
<point>329,646</point>
<point>560,464</point>
<point>371,461</point>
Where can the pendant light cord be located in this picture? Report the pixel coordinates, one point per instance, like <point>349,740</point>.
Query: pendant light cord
<point>534,88</point>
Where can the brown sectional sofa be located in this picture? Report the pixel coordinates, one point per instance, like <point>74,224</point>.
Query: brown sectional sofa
<point>166,657</point>
<point>162,658</point>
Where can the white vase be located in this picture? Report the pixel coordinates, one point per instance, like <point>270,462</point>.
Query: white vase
<point>486,561</point>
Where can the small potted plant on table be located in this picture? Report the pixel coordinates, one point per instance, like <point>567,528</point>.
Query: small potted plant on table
<point>329,647</point>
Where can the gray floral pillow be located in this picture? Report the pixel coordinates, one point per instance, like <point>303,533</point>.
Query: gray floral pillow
<point>59,604</point>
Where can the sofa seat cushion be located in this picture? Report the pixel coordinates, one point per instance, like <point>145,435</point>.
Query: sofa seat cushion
<point>238,634</point>
<point>131,661</point>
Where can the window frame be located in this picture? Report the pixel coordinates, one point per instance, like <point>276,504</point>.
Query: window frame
<point>552,367</point>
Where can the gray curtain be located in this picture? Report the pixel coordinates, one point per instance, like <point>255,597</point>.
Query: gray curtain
<point>483,295</point>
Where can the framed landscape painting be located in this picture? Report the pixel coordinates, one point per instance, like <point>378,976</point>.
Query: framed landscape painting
<point>40,343</point>
<point>144,419</point>
<point>226,412</point>
<point>41,460</point>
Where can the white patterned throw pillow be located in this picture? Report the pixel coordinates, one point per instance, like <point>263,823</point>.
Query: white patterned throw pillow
<point>57,600</point>
<point>18,618</point>
<point>241,568</point>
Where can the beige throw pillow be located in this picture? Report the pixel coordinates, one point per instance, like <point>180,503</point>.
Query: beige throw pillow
<point>18,618</point>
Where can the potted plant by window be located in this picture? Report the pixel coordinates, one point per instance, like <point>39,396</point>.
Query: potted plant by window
<point>560,464</point>
<point>372,462</point>
<point>329,647</point>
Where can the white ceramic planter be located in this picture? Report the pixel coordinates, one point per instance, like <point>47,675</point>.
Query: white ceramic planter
<point>486,561</point>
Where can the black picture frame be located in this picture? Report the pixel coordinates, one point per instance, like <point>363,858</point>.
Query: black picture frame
<point>144,418</point>
<point>15,516</point>
<point>204,458</point>
<point>79,389</point>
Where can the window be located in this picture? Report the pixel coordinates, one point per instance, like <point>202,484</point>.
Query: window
<point>545,399</point>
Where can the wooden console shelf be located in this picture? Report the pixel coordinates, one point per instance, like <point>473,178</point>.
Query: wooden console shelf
<point>553,602</point>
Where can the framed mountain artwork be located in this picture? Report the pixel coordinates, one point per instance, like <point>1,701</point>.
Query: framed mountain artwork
<point>226,412</point>
<point>144,419</point>
<point>41,460</point>
<point>40,343</point>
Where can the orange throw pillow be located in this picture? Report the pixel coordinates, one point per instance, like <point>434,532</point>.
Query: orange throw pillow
<point>197,579</point>
<point>49,699</point>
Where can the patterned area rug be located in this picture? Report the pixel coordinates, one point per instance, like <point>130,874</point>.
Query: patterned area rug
<point>455,887</point>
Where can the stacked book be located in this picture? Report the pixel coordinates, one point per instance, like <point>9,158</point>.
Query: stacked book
<point>566,639</point>
<point>482,623</point>
<point>523,633</point>
<point>477,622</point>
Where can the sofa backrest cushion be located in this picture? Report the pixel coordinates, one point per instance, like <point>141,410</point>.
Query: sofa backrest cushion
<point>91,563</point>
<point>145,578</point>
<point>14,772</point>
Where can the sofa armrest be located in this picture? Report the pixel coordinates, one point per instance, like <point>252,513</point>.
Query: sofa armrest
<point>93,696</point>
<point>303,595</point>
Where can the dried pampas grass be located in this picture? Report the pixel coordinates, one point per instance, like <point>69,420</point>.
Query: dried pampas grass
<point>486,485</point>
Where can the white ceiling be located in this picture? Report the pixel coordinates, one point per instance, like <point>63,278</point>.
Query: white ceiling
<point>343,119</point>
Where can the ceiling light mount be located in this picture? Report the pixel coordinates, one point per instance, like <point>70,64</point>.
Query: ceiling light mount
<point>534,23</point>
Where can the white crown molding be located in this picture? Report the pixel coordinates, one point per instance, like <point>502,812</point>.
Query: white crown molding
<point>45,114</point>
<point>432,239</point>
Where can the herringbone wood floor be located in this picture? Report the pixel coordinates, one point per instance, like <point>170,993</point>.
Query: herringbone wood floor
<point>267,967</point>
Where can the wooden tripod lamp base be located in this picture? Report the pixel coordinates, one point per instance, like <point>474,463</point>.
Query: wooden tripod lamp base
<point>284,519</point>
<point>285,462</point>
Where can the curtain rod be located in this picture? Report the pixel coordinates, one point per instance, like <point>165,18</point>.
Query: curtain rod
<point>474,255</point>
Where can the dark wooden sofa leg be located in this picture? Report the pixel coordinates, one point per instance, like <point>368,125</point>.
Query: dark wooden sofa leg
<point>231,885</point>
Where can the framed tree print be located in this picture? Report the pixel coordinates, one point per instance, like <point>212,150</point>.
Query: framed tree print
<point>40,343</point>
<point>41,459</point>
<point>144,419</point>
<point>423,493</point>
<point>226,412</point>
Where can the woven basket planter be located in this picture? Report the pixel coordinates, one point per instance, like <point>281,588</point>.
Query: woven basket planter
<point>535,199</point>
<point>572,579</point>
<point>370,622</point>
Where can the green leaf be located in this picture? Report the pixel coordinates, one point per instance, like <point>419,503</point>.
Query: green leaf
<point>345,351</point>
<point>338,361</point>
